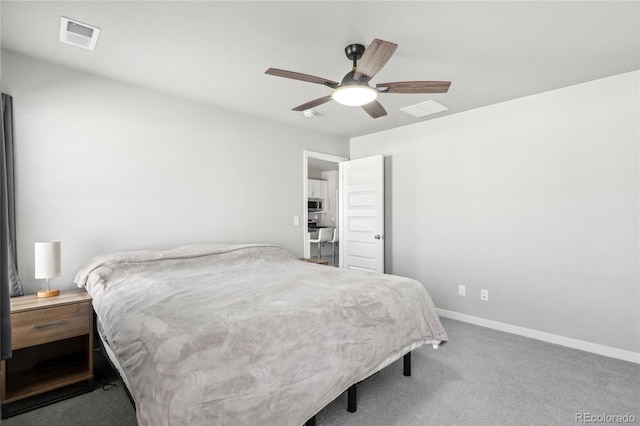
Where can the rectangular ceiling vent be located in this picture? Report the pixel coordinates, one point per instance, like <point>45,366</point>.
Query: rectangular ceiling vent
<point>78,34</point>
<point>425,108</point>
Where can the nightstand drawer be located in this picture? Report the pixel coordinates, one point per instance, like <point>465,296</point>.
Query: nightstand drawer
<point>46,325</point>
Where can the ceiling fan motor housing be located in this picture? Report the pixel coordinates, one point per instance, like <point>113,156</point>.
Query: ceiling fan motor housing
<point>349,80</point>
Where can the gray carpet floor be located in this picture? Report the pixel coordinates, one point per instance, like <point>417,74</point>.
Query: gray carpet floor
<point>481,377</point>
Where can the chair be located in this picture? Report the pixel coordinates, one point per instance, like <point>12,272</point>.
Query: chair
<point>324,235</point>
<point>333,241</point>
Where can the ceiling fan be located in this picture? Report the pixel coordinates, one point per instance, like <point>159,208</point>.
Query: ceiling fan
<point>354,90</point>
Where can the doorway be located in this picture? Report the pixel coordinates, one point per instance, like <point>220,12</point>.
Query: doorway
<point>323,167</point>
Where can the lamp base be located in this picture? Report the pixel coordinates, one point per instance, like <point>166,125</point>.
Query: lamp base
<point>48,293</point>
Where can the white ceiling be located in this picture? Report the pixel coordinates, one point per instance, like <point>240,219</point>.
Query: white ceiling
<point>217,52</point>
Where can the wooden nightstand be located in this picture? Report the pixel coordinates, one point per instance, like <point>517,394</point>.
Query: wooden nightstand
<point>52,343</point>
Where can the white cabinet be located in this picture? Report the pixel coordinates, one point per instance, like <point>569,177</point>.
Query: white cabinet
<point>317,188</point>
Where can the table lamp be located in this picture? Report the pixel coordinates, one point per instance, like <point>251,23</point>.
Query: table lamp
<point>48,265</point>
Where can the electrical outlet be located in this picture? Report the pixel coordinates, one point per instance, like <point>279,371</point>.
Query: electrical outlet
<point>462,290</point>
<point>484,294</point>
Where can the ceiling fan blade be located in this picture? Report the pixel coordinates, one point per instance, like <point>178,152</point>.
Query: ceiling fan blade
<point>313,103</point>
<point>374,109</point>
<point>414,87</point>
<point>374,58</point>
<point>301,77</point>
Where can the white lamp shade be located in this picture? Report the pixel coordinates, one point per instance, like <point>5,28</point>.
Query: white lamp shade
<point>354,95</point>
<point>48,259</point>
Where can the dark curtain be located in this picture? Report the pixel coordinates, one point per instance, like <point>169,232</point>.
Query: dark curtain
<point>9,281</point>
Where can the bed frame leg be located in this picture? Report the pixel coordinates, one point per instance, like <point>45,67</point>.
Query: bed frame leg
<point>352,403</point>
<point>311,421</point>
<point>407,365</point>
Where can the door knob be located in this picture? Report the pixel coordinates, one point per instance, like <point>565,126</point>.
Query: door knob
<point>377,237</point>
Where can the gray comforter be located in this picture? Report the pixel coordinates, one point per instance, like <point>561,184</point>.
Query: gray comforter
<point>248,334</point>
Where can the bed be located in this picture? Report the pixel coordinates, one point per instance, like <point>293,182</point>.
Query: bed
<point>248,334</point>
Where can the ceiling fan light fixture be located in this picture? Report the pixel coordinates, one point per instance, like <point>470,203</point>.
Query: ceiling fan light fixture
<point>354,90</point>
<point>354,95</point>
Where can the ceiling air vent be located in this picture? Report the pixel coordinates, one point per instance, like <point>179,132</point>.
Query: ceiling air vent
<point>78,34</point>
<point>425,108</point>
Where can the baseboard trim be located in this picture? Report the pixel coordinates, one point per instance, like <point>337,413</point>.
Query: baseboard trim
<point>545,337</point>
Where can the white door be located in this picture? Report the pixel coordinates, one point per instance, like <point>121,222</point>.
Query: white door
<point>362,214</point>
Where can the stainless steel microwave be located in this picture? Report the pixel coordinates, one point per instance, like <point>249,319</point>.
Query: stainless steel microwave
<point>315,204</point>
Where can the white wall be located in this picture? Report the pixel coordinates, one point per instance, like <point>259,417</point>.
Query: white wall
<point>105,166</point>
<point>534,199</point>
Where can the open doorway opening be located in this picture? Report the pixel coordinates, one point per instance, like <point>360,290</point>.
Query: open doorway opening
<point>321,184</point>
